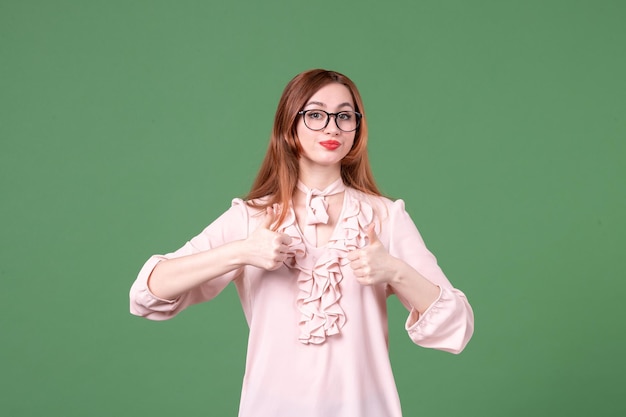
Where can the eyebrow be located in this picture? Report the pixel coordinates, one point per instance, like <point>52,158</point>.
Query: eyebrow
<point>317,103</point>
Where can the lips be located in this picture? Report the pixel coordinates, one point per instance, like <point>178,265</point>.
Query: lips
<point>331,145</point>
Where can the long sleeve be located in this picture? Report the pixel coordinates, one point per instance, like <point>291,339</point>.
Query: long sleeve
<point>448,324</point>
<point>230,226</point>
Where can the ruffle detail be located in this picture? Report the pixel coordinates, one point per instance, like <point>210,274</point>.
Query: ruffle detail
<point>319,289</point>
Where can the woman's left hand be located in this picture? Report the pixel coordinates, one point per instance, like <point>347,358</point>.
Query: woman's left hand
<point>373,264</point>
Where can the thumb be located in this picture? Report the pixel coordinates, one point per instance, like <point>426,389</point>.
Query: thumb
<point>371,234</point>
<point>270,217</point>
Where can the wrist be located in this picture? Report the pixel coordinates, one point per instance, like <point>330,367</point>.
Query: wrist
<point>398,272</point>
<point>235,253</point>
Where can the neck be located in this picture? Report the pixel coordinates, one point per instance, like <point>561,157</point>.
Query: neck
<point>319,177</point>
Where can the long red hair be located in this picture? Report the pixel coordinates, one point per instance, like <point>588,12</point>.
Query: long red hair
<point>279,172</point>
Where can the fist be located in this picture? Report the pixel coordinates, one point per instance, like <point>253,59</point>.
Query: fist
<point>265,248</point>
<point>372,264</point>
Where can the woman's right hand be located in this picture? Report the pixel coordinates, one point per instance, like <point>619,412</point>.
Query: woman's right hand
<point>265,248</point>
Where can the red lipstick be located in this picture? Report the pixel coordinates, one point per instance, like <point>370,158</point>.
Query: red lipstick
<point>331,145</point>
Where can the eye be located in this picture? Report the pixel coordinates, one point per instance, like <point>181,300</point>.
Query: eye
<point>315,115</point>
<point>344,116</point>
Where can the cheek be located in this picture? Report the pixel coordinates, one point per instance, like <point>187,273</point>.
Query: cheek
<point>301,133</point>
<point>351,143</point>
<point>305,137</point>
<point>298,139</point>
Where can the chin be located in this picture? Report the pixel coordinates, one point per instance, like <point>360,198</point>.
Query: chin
<point>320,162</point>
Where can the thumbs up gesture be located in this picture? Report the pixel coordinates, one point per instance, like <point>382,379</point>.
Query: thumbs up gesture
<point>373,264</point>
<point>265,248</point>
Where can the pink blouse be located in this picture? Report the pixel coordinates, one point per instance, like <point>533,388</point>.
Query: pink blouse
<point>317,344</point>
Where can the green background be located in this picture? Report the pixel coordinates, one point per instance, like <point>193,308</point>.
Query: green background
<point>127,126</point>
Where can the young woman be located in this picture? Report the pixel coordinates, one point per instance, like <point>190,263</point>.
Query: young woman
<point>314,251</point>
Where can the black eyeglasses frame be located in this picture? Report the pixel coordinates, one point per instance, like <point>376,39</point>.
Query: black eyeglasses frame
<point>356,113</point>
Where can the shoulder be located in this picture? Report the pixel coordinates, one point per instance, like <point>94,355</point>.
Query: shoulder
<point>252,212</point>
<point>389,216</point>
<point>248,209</point>
<point>382,207</point>
<point>236,220</point>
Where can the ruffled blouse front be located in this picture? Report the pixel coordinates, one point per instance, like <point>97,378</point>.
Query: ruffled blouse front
<point>318,344</point>
<point>319,277</point>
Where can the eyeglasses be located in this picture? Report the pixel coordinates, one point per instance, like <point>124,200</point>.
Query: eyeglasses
<point>346,121</point>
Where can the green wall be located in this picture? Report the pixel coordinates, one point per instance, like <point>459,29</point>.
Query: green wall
<point>127,126</point>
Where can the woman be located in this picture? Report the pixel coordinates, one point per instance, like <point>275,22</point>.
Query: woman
<point>314,251</point>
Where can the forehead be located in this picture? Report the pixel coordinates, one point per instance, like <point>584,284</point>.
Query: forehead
<point>331,96</point>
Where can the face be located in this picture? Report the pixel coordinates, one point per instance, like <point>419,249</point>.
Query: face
<point>326,147</point>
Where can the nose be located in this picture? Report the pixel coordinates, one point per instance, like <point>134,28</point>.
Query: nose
<point>331,126</point>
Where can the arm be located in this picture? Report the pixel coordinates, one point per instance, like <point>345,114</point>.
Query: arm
<point>440,315</point>
<point>374,265</point>
<point>263,249</point>
<point>204,266</point>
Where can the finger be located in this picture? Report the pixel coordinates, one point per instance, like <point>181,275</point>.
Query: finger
<point>270,216</point>
<point>371,234</point>
<point>353,255</point>
<point>365,280</point>
<point>356,266</point>
<point>283,249</point>
<point>360,272</point>
<point>285,239</point>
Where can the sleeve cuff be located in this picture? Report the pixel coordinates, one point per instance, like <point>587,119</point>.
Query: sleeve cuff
<point>416,319</point>
<point>143,302</point>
